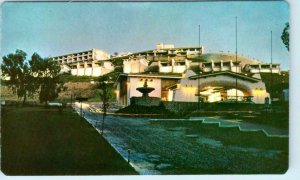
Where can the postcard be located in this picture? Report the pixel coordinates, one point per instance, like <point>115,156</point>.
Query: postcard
<point>145,88</point>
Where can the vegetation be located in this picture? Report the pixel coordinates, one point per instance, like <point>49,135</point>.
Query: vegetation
<point>117,61</point>
<point>285,36</point>
<point>47,76</point>
<point>27,78</point>
<point>233,137</point>
<point>105,94</point>
<point>276,83</point>
<point>71,78</point>
<point>38,141</point>
<point>21,79</point>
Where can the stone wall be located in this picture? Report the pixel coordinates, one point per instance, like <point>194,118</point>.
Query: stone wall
<point>145,101</point>
<point>180,106</point>
<point>193,106</point>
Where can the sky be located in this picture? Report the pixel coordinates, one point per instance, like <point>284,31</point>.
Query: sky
<point>57,28</point>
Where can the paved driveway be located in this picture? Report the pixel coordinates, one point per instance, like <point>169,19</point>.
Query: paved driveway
<point>179,149</point>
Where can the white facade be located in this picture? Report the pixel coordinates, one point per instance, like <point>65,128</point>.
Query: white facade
<point>214,66</point>
<point>135,82</point>
<point>128,83</point>
<point>263,68</point>
<point>87,63</point>
<point>164,46</point>
<point>189,88</point>
<point>135,65</point>
<point>174,67</point>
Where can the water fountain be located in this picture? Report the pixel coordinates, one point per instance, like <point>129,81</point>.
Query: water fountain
<point>145,100</point>
<point>145,90</point>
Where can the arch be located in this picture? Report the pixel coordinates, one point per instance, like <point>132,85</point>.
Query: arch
<point>228,85</point>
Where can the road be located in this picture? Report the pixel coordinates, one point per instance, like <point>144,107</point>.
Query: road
<point>159,149</point>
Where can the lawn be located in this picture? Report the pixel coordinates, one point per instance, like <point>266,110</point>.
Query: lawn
<point>236,152</point>
<point>39,141</point>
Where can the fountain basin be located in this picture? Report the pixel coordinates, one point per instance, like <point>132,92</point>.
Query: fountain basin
<point>145,90</point>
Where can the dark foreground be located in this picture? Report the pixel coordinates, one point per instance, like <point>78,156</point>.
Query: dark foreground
<point>39,141</point>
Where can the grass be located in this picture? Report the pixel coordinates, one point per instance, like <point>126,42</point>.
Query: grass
<point>232,137</point>
<point>39,141</point>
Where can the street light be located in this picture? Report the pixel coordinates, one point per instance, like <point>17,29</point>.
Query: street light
<point>128,151</point>
<point>104,96</point>
<point>81,99</point>
<point>199,91</point>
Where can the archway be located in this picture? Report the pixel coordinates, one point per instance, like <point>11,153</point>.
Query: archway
<point>213,90</point>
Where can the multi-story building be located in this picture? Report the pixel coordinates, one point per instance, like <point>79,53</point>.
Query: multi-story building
<point>221,77</point>
<point>166,52</point>
<point>87,63</point>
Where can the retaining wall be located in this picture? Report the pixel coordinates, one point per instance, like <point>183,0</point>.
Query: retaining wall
<point>145,101</point>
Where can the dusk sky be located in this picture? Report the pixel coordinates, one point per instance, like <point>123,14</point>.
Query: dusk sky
<point>59,28</point>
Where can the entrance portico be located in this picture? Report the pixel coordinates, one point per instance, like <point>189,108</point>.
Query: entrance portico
<point>220,86</point>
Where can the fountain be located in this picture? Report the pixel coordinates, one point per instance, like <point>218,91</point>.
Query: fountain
<point>145,90</point>
<point>145,100</point>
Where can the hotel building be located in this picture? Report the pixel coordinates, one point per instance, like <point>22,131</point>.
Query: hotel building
<point>218,78</point>
<point>87,63</point>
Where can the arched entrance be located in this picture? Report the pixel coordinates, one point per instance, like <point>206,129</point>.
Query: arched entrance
<point>225,87</point>
<point>216,94</point>
<point>220,86</point>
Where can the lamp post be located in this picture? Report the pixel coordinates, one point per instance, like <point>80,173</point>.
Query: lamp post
<point>71,98</point>
<point>104,96</point>
<point>128,151</point>
<point>104,102</point>
<point>81,99</point>
<point>199,91</point>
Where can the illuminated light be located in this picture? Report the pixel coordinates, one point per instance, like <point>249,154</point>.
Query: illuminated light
<point>116,91</point>
<point>258,91</point>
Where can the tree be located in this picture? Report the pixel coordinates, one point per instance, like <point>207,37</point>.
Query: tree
<point>20,78</point>
<point>105,95</point>
<point>285,37</point>
<point>47,73</point>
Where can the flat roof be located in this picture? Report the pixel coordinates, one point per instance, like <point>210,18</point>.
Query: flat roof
<point>163,76</point>
<point>91,50</point>
<point>152,51</point>
<point>167,76</point>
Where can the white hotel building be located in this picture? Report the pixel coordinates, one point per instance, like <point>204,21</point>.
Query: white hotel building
<point>87,63</point>
<point>220,78</point>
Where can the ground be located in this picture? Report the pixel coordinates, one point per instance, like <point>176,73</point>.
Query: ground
<point>39,141</point>
<point>161,146</point>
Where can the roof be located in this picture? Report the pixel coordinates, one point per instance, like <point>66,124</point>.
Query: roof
<point>188,47</point>
<point>91,50</point>
<point>157,75</point>
<point>219,61</point>
<point>225,57</point>
<point>151,51</point>
<point>263,64</point>
<point>230,73</point>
